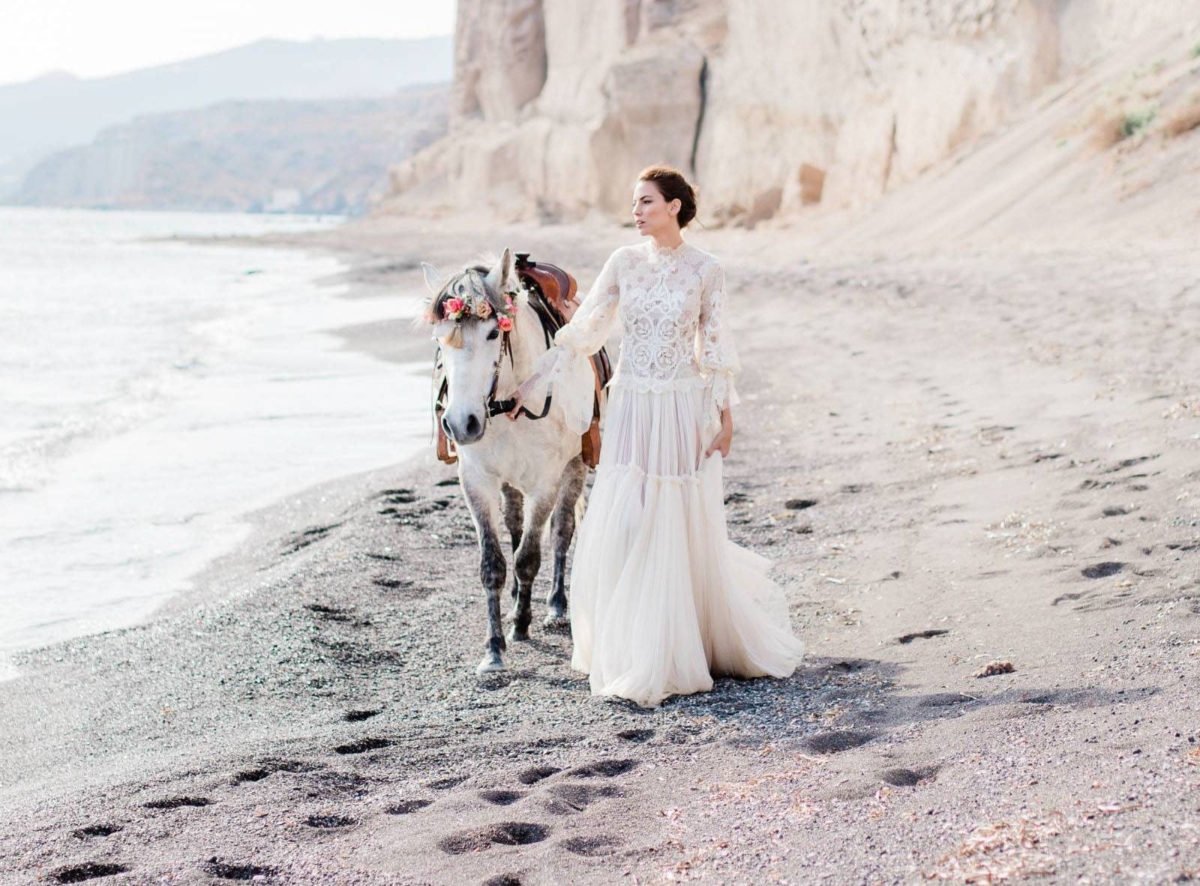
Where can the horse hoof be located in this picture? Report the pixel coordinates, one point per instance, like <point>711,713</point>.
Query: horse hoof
<point>491,664</point>
<point>556,622</point>
<point>518,635</point>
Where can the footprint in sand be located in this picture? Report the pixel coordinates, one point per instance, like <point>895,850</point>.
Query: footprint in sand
<point>269,767</point>
<point>1102,570</point>
<point>603,769</point>
<point>397,496</point>
<point>945,700</point>
<point>501,798</point>
<point>222,871</point>
<point>1186,546</point>
<point>362,746</point>
<point>799,504</point>
<point>920,635</point>
<point>177,802</point>
<point>407,807</point>
<point>328,613</point>
<point>536,774</point>
<point>303,539</point>
<point>359,716</point>
<point>508,833</point>
<point>95,830</point>
<point>908,778</point>
<point>592,847</point>
<point>78,873</point>
<point>571,798</point>
<point>636,736</point>
<point>444,784</point>
<point>1066,598</point>
<point>838,741</point>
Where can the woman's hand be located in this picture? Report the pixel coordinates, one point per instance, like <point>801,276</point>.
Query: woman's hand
<point>518,398</point>
<point>724,436</point>
<point>515,413</point>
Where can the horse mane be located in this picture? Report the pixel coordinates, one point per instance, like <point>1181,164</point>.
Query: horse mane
<point>476,273</point>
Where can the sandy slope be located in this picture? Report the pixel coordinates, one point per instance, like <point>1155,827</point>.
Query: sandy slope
<point>1106,156</point>
<point>977,436</point>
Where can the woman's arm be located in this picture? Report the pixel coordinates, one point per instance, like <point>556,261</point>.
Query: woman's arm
<point>718,359</point>
<point>565,367</point>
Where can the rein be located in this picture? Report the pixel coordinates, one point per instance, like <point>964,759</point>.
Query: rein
<point>499,407</point>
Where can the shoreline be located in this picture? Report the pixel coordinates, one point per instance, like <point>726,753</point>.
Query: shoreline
<point>334,288</point>
<point>945,474</point>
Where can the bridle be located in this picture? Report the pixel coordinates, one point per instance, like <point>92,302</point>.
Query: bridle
<point>498,407</point>
<point>493,406</point>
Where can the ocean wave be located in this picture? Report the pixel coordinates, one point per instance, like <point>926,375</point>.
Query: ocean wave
<point>27,462</point>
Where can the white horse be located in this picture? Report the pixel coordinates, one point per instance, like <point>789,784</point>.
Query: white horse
<point>523,471</point>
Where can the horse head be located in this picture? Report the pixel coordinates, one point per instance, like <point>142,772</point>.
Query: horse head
<point>470,314</point>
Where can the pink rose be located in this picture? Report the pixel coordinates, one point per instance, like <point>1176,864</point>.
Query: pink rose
<point>452,307</point>
<point>510,304</point>
<point>505,324</point>
<point>483,310</point>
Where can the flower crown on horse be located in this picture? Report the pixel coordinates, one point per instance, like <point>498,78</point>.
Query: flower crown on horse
<point>467,305</point>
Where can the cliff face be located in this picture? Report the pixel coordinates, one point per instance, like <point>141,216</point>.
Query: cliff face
<point>770,106</point>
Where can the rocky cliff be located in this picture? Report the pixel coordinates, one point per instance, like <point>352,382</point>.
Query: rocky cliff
<point>297,156</point>
<point>771,106</point>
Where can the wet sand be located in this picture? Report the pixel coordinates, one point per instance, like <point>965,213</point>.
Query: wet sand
<point>954,460</point>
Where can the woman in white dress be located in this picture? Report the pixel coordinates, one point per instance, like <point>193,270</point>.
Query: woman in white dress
<point>661,600</point>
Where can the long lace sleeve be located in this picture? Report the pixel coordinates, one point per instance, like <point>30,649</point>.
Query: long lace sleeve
<point>566,369</point>
<point>715,351</point>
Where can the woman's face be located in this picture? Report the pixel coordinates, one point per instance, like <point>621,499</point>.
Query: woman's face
<point>653,215</point>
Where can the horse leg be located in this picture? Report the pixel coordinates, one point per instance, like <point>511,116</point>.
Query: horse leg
<point>527,562</point>
<point>562,530</point>
<point>514,513</point>
<point>482,503</point>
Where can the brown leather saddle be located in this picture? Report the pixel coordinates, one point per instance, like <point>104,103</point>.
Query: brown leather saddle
<point>553,294</point>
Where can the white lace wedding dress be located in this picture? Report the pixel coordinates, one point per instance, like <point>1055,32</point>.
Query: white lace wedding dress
<point>661,600</point>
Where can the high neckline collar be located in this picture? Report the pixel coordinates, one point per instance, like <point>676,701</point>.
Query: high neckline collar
<point>671,251</point>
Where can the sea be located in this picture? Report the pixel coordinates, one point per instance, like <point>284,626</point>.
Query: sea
<point>155,389</point>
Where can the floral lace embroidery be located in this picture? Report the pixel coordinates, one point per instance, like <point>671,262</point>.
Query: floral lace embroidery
<point>671,305</point>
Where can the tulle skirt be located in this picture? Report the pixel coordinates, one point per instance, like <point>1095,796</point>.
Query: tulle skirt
<point>661,600</point>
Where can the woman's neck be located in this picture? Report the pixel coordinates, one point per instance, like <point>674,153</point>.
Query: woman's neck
<point>668,240</point>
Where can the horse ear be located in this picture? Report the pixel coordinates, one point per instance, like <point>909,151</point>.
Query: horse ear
<point>499,276</point>
<point>433,278</point>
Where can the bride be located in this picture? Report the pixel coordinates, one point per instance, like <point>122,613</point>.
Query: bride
<point>661,599</point>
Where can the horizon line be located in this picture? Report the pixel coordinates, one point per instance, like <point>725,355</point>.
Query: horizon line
<point>62,73</point>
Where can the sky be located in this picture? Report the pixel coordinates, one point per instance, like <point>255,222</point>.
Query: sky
<point>94,38</point>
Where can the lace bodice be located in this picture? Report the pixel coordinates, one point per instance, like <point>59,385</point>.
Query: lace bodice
<point>670,302</point>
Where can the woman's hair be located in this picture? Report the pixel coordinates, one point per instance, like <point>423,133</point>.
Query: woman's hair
<point>673,186</point>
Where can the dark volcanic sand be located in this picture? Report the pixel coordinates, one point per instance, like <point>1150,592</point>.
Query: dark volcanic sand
<point>983,437</point>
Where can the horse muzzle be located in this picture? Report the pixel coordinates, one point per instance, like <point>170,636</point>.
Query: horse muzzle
<point>464,431</point>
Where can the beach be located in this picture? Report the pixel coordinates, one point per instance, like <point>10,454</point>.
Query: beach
<point>976,473</point>
<point>155,389</point>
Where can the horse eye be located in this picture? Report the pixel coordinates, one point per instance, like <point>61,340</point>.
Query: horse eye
<point>495,333</point>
